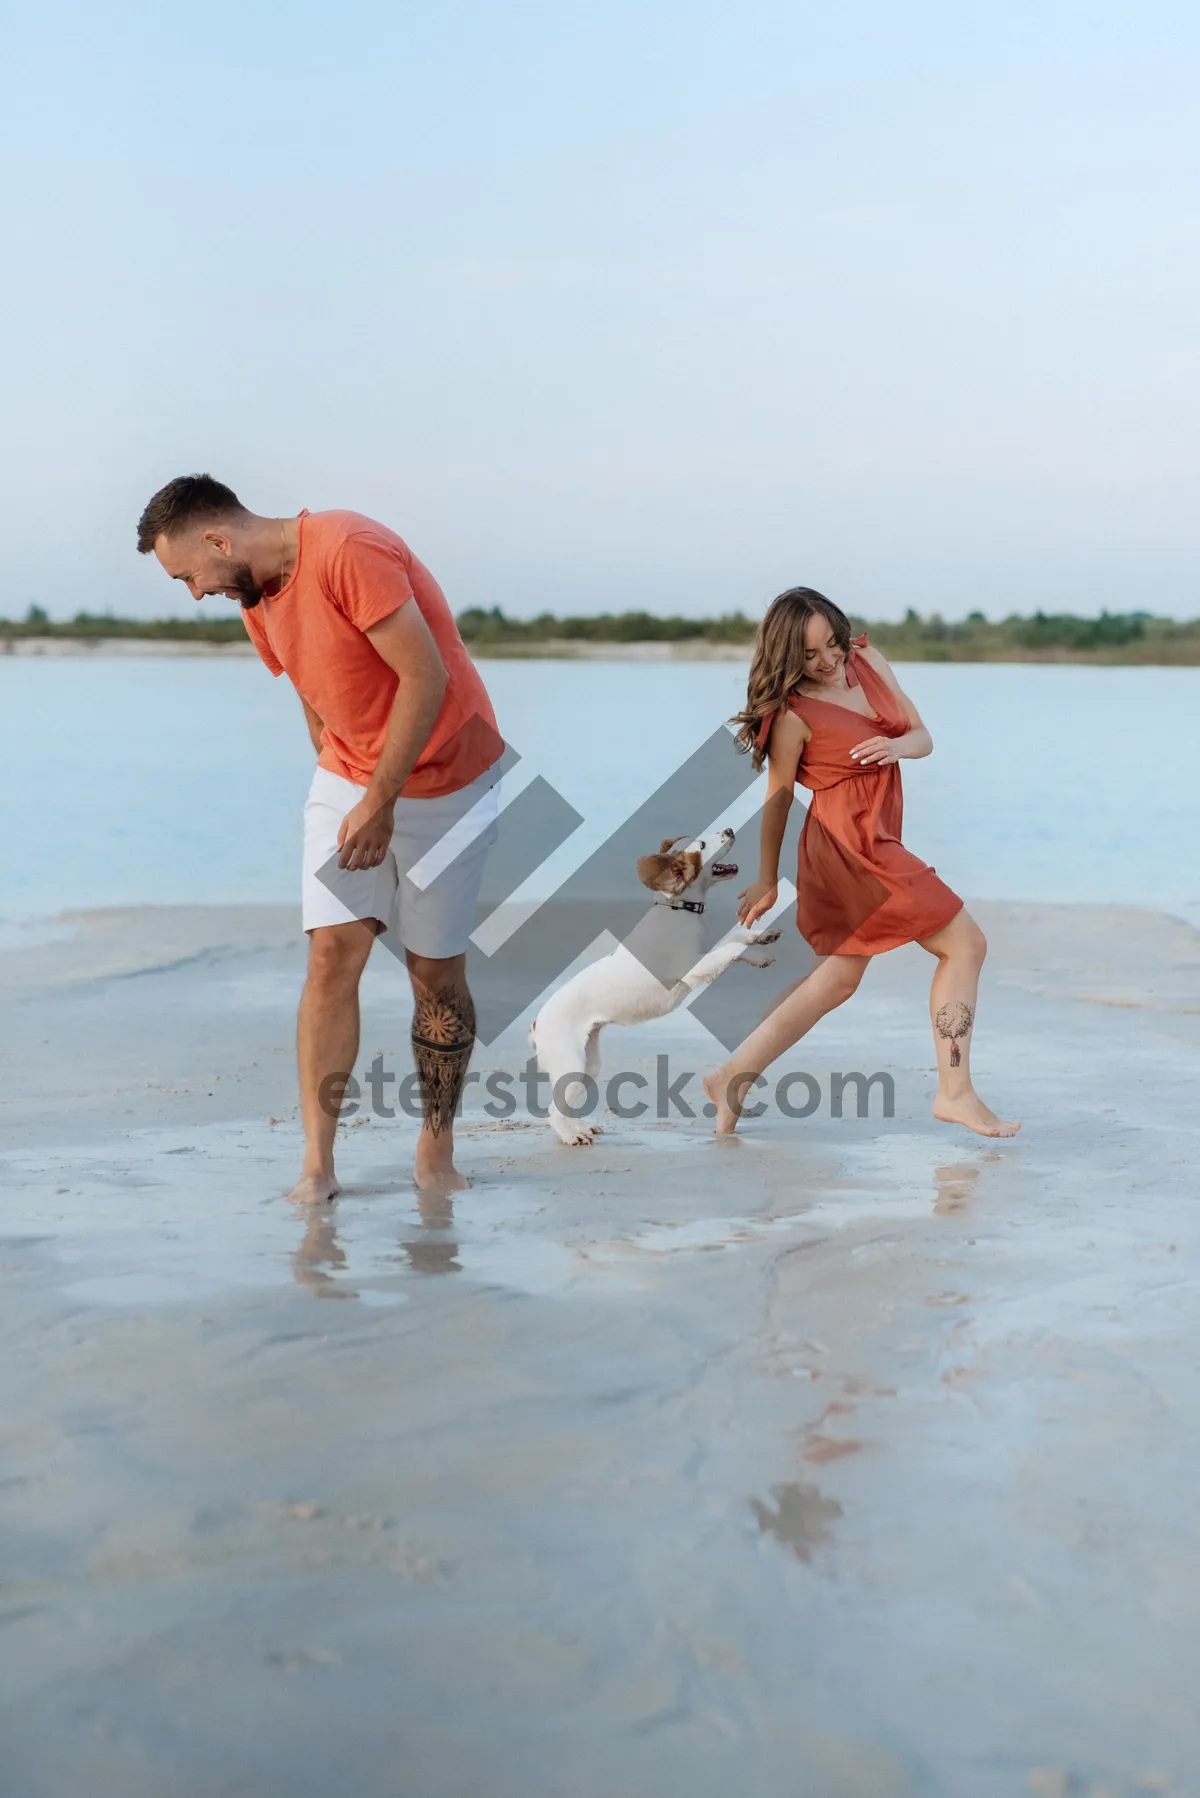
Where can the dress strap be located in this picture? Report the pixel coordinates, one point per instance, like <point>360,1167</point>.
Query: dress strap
<point>852,675</point>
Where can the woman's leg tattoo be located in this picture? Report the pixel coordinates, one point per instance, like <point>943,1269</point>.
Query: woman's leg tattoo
<point>443,1036</point>
<point>954,1021</point>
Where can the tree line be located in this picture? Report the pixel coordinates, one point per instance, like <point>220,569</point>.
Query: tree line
<point>1111,636</point>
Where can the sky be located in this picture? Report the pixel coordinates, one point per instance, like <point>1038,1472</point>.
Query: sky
<point>613,305</point>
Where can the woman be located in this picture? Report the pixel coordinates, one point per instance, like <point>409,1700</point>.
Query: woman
<point>812,693</point>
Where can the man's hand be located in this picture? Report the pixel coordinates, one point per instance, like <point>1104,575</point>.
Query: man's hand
<point>365,834</point>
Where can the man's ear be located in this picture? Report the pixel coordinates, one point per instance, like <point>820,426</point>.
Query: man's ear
<point>213,539</point>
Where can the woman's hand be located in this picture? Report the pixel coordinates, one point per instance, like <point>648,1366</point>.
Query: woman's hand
<point>873,752</point>
<point>756,900</point>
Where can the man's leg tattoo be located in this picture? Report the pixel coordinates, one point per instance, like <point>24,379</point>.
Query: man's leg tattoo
<point>443,1036</point>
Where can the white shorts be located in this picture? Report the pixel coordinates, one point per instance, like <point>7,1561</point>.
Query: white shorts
<point>413,892</point>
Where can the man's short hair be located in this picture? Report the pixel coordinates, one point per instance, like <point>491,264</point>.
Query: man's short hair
<point>188,499</point>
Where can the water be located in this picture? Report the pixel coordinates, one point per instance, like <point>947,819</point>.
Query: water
<point>181,782</point>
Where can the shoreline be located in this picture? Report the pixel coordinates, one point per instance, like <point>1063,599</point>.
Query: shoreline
<point>575,650</point>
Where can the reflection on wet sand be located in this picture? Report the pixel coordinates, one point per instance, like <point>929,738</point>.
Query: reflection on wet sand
<point>953,1185</point>
<point>319,1262</point>
<point>435,1251</point>
<point>802,1519</point>
<point>320,1249</point>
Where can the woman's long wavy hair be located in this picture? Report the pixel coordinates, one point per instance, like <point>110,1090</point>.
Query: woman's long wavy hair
<point>777,665</point>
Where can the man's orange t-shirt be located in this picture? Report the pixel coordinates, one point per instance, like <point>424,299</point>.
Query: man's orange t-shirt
<point>350,574</point>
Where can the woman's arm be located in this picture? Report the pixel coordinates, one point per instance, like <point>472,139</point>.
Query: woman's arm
<point>788,736</point>
<point>916,741</point>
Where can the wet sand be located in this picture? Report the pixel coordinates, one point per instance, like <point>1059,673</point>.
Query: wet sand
<point>852,1459</point>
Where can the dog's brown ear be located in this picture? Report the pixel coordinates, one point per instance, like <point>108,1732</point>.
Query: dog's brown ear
<point>685,866</point>
<point>669,873</point>
<point>666,844</point>
<point>651,870</point>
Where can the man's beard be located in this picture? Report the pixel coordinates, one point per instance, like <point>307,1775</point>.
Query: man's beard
<point>243,583</point>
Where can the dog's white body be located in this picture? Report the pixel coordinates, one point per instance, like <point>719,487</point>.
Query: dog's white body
<point>621,989</point>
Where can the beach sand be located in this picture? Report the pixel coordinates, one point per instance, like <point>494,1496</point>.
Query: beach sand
<point>854,1458</point>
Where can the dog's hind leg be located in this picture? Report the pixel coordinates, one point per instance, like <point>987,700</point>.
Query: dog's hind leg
<point>591,1066</point>
<point>562,1052</point>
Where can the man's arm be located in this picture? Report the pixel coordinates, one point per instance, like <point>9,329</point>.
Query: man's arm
<point>406,644</point>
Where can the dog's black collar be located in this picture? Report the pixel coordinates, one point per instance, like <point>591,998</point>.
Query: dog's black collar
<point>686,904</point>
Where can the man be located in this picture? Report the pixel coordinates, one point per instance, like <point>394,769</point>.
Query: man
<point>407,747</point>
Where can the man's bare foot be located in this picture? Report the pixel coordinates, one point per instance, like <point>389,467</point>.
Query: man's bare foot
<point>973,1114</point>
<point>314,1189</point>
<point>433,1167</point>
<point>717,1087</point>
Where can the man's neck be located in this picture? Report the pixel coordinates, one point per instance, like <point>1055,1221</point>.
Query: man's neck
<point>276,551</point>
<point>290,537</point>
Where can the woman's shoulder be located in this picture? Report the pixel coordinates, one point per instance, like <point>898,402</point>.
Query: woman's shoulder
<point>875,658</point>
<point>784,725</point>
<point>792,699</point>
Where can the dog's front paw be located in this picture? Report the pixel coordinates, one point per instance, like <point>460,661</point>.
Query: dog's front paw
<point>576,1136</point>
<point>765,936</point>
<point>758,961</point>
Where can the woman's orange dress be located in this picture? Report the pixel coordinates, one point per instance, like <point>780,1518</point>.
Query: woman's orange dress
<point>858,889</point>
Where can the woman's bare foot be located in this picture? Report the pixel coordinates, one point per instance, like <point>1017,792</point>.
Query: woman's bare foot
<point>433,1168</point>
<point>970,1111</point>
<point>314,1189</point>
<point>716,1085</point>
